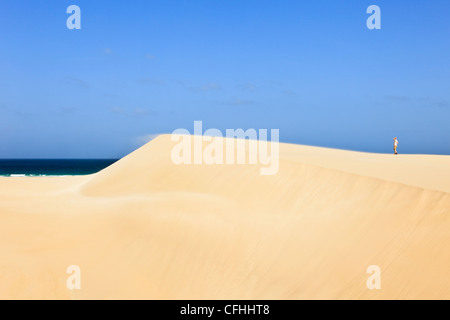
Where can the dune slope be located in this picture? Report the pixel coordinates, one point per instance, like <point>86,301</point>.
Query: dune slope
<point>147,228</point>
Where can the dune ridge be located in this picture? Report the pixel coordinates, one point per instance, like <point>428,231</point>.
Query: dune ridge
<point>147,228</point>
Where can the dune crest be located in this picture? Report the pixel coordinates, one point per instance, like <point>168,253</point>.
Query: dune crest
<point>147,228</point>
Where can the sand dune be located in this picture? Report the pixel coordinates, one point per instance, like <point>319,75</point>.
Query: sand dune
<point>147,228</point>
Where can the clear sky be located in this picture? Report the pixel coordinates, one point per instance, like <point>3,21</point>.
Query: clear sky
<point>137,68</point>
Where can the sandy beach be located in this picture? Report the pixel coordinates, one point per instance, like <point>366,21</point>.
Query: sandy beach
<point>146,228</point>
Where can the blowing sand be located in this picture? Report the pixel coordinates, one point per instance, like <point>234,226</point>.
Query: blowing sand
<point>147,228</point>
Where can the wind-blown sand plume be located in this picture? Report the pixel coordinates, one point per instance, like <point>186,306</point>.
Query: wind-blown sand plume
<point>147,228</point>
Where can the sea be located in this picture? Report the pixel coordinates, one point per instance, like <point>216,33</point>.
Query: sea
<point>59,167</point>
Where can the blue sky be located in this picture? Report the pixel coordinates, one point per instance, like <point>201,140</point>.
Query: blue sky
<point>309,68</point>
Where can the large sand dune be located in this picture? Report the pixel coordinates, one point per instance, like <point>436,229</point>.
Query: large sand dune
<point>147,228</point>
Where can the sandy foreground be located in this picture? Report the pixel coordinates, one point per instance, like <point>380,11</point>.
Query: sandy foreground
<point>146,228</point>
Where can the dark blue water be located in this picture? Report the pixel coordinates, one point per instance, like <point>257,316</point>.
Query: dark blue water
<point>53,167</point>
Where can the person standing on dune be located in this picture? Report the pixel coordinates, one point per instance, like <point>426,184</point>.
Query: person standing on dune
<point>395,145</point>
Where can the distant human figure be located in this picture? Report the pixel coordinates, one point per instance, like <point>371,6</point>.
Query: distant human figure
<point>395,145</point>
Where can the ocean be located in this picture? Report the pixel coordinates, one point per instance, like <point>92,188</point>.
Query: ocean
<point>66,167</point>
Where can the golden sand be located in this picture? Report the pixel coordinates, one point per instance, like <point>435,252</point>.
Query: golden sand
<point>146,228</point>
